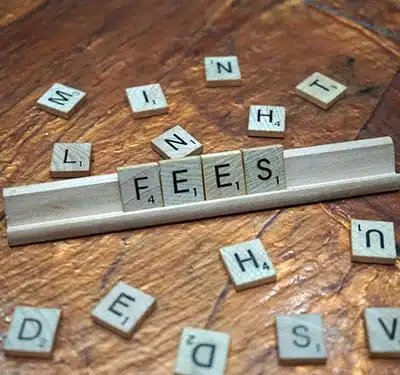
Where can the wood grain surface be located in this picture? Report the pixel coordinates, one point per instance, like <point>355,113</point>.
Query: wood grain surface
<point>103,47</point>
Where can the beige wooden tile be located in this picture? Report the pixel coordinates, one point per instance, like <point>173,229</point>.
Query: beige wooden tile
<point>266,121</point>
<point>264,168</point>
<point>32,332</point>
<point>222,71</point>
<point>147,100</point>
<point>223,174</point>
<point>140,187</point>
<point>176,143</point>
<point>373,242</point>
<point>61,100</point>
<point>300,339</point>
<point>202,352</point>
<point>248,264</point>
<point>182,180</point>
<point>123,309</point>
<point>320,90</point>
<point>71,160</point>
<point>382,325</point>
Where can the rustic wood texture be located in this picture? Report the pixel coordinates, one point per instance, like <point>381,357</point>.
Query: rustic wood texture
<point>103,47</point>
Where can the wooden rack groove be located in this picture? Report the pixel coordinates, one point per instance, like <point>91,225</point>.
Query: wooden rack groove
<point>89,205</point>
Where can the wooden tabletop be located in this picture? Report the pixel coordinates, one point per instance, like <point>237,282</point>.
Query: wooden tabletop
<point>103,47</point>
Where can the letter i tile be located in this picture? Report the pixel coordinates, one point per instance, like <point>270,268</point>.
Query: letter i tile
<point>202,352</point>
<point>123,309</point>
<point>32,332</point>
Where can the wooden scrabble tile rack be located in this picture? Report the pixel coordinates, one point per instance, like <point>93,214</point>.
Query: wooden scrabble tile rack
<point>89,205</point>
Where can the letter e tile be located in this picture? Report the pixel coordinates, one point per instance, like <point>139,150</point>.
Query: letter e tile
<point>123,309</point>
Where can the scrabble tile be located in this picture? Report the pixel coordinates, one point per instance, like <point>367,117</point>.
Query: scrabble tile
<point>147,100</point>
<point>71,160</point>
<point>182,180</point>
<point>32,332</point>
<point>222,71</point>
<point>202,352</point>
<point>266,121</point>
<point>373,242</point>
<point>383,331</point>
<point>223,175</point>
<point>140,187</point>
<point>123,309</point>
<point>264,168</point>
<point>248,264</point>
<point>320,90</point>
<point>300,339</point>
<point>176,143</point>
<point>61,100</point>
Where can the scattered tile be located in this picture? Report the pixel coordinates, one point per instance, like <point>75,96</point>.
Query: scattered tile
<point>123,309</point>
<point>176,143</point>
<point>147,100</point>
<point>320,90</point>
<point>248,264</point>
<point>202,352</point>
<point>301,339</point>
<point>32,332</point>
<point>61,100</point>
<point>266,121</point>
<point>71,160</point>
<point>383,331</point>
<point>373,242</point>
<point>222,71</point>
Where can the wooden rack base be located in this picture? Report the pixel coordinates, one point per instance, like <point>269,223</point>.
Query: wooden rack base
<point>84,206</point>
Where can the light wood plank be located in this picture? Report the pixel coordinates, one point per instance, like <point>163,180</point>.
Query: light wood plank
<point>93,205</point>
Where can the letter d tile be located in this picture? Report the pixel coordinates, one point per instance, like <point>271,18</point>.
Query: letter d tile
<point>32,332</point>
<point>202,352</point>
